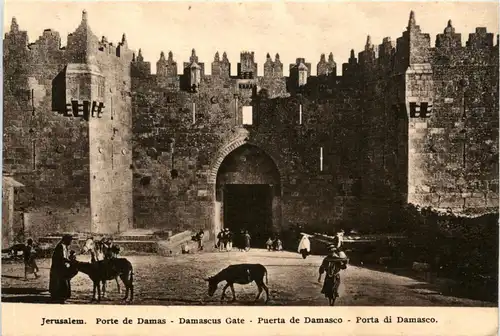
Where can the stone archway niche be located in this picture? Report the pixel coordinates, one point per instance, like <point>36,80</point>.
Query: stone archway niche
<point>247,189</point>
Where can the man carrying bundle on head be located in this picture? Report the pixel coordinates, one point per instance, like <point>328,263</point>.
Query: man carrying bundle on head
<point>333,263</point>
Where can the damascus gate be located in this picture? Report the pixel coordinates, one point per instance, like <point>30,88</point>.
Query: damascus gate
<point>94,141</point>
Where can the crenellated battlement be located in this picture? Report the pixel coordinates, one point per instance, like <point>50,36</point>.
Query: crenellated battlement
<point>382,55</point>
<point>82,43</point>
<point>376,62</point>
<point>413,47</point>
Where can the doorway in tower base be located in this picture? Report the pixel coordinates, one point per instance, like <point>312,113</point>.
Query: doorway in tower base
<point>249,207</point>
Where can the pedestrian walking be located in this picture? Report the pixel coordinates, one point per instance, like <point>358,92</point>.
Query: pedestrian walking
<point>29,255</point>
<point>220,240</point>
<point>247,239</point>
<point>304,246</point>
<point>332,264</point>
<point>199,237</point>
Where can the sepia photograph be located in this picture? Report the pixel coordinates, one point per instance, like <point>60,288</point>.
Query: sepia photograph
<point>250,154</point>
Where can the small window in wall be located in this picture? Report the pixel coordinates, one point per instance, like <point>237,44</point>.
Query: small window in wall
<point>300,114</point>
<point>321,159</point>
<point>247,115</point>
<point>194,113</point>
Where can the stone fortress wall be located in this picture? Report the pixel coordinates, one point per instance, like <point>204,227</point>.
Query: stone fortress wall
<point>102,144</point>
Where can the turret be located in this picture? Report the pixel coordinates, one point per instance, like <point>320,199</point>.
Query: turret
<point>83,44</point>
<point>303,74</point>
<point>247,68</point>
<point>299,73</point>
<point>84,85</point>
<point>194,75</point>
<point>161,65</point>
<point>193,71</point>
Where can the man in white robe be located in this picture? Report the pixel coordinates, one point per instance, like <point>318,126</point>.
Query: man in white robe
<point>304,246</point>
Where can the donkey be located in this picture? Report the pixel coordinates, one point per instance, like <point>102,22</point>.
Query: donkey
<point>98,252</point>
<point>14,249</point>
<point>242,274</point>
<point>103,270</point>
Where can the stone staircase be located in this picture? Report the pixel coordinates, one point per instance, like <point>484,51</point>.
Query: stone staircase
<point>173,245</point>
<point>138,241</point>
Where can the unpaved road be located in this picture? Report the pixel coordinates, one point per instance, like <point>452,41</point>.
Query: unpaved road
<point>292,282</point>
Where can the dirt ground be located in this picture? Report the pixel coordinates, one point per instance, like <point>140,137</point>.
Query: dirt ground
<point>292,282</point>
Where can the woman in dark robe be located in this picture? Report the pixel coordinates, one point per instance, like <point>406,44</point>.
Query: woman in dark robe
<point>61,272</point>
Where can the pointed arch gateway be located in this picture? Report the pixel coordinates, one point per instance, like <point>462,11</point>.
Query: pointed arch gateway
<point>247,186</point>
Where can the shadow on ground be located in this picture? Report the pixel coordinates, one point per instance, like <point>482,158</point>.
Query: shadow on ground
<point>430,284</point>
<point>22,290</point>
<point>12,276</point>
<point>28,299</point>
<point>25,295</point>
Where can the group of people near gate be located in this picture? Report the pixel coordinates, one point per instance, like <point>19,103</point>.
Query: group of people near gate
<point>226,240</point>
<point>274,244</point>
<point>62,270</point>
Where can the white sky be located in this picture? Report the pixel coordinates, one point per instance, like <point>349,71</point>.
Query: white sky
<point>293,29</point>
